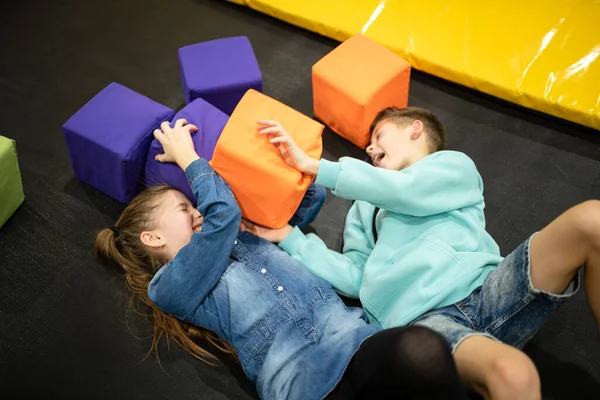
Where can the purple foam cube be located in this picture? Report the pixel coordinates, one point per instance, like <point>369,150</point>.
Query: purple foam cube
<point>210,122</point>
<point>219,71</point>
<point>109,137</point>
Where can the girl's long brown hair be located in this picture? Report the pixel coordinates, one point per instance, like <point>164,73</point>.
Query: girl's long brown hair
<point>140,265</point>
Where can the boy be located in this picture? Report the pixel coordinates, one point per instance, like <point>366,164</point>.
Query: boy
<point>416,250</point>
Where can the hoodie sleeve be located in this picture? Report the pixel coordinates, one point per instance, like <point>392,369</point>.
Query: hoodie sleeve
<point>438,183</point>
<point>343,270</point>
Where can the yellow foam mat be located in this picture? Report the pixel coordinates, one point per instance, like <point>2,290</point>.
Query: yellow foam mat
<point>542,54</point>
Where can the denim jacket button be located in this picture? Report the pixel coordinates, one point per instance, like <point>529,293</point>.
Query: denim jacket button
<point>235,242</point>
<point>263,271</point>
<point>280,288</point>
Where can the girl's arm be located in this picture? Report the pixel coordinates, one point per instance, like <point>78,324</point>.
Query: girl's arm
<point>183,283</point>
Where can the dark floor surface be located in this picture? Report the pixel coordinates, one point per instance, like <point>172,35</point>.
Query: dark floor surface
<point>63,332</point>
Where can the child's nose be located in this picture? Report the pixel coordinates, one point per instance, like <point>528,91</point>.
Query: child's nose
<point>370,149</point>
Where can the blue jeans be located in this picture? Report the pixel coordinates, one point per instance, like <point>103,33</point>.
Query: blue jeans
<point>507,307</point>
<point>310,206</point>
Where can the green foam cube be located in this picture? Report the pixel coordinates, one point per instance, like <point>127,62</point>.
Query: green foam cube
<point>11,188</point>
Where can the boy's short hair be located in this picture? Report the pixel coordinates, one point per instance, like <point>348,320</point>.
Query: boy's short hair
<point>433,127</point>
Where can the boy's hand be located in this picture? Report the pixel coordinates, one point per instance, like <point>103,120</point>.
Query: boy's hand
<point>290,152</point>
<point>271,235</point>
<point>177,143</point>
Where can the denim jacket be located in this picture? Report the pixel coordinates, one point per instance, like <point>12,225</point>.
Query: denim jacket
<point>293,335</point>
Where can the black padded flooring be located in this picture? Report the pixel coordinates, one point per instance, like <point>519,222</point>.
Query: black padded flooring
<point>63,320</point>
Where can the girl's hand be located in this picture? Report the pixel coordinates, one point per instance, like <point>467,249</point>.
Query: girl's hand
<point>177,143</point>
<point>271,235</point>
<point>290,152</point>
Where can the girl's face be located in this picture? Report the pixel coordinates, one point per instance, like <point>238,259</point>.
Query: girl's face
<point>176,219</point>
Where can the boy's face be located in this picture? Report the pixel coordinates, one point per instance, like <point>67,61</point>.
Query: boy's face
<point>395,147</point>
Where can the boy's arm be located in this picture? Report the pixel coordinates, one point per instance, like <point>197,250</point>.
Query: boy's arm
<point>343,271</point>
<point>182,285</point>
<point>439,183</point>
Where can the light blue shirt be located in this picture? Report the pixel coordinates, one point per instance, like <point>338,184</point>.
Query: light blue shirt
<point>432,251</point>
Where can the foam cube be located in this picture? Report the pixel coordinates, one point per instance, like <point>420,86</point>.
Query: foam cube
<point>354,82</point>
<point>109,137</point>
<point>210,122</point>
<point>219,71</point>
<point>10,180</point>
<point>267,189</point>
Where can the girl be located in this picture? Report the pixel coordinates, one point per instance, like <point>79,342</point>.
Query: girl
<point>201,271</point>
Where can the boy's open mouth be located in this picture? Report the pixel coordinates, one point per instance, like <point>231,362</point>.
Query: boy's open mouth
<point>376,158</point>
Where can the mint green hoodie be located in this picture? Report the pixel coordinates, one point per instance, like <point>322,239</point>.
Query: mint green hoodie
<point>432,248</point>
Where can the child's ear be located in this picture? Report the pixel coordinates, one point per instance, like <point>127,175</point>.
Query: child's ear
<point>417,129</point>
<point>151,239</point>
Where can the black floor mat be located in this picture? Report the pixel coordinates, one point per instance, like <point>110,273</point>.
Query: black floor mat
<point>63,325</point>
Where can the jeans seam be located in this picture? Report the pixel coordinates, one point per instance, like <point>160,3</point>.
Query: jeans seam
<point>457,305</point>
<point>515,310</point>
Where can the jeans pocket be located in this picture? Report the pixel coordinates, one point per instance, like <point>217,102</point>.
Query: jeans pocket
<point>469,307</point>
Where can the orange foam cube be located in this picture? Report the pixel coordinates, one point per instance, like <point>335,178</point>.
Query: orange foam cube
<point>354,82</point>
<point>267,189</point>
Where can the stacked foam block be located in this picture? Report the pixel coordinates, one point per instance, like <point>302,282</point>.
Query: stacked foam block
<point>112,148</point>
